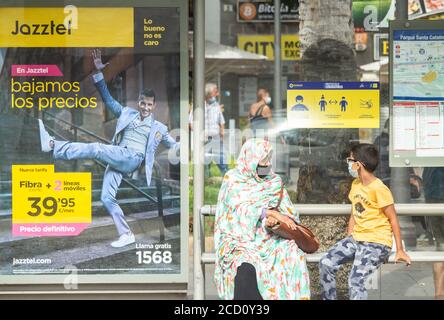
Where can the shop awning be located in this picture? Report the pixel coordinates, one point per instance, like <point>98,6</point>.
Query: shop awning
<point>215,51</point>
<point>375,71</point>
<point>222,59</point>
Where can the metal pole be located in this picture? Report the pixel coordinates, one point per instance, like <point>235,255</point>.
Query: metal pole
<point>76,162</point>
<point>319,210</point>
<point>402,12</point>
<point>277,55</point>
<point>399,177</point>
<point>158,180</point>
<point>198,129</point>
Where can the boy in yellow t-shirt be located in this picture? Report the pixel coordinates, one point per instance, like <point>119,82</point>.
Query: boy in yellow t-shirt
<point>372,222</point>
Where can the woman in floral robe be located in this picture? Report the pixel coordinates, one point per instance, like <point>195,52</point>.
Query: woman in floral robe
<point>240,234</point>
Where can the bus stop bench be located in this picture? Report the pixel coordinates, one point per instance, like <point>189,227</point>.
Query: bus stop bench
<point>416,256</point>
<point>203,258</point>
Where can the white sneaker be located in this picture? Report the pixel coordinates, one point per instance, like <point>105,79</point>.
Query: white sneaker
<point>45,138</point>
<point>124,240</point>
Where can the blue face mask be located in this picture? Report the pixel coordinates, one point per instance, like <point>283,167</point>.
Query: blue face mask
<point>353,173</point>
<point>212,100</point>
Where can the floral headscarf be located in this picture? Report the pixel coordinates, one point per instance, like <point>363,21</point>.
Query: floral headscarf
<point>240,235</point>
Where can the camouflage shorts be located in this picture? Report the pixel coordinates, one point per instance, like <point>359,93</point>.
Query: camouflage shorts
<point>367,257</point>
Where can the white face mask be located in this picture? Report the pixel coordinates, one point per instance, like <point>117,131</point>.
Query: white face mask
<point>353,173</point>
<point>267,100</point>
<point>212,100</point>
<point>263,171</point>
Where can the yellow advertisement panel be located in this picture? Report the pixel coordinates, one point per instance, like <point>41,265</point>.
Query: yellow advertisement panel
<point>264,45</point>
<point>48,203</point>
<point>333,104</point>
<point>66,27</point>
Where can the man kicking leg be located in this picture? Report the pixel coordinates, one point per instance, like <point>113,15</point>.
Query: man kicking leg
<point>120,161</point>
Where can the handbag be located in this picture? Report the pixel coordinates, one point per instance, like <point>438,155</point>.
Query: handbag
<point>303,236</point>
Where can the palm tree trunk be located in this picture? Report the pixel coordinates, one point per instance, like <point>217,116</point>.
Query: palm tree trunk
<point>326,35</point>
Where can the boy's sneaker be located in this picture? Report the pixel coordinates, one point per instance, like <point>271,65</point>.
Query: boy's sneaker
<point>124,240</point>
<point>45,138</point>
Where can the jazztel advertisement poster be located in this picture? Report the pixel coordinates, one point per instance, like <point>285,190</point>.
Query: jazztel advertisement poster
<point>91,104</point>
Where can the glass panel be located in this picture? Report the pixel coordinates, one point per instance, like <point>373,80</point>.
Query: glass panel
<point>394,282</point>
<point>311,160</point>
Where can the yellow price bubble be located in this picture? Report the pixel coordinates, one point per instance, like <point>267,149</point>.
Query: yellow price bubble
<point>49,203</point>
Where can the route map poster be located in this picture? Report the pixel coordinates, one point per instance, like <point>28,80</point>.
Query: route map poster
<point>333,104</point>
<point>418,96</point>
<point>92,189</point>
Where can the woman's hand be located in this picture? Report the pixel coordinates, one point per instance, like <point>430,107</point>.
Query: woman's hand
<point>272,213</point>
<point>288,221</point>
<point>274,217</point>
<point>270,222</point>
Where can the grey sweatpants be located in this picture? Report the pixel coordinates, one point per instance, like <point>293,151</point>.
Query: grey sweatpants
<point>367,257</point>
<point>119,160</point>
